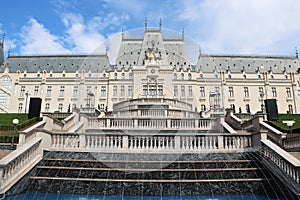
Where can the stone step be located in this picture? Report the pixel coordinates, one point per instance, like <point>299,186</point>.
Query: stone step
<point>148,170</point>
<point>149,181</point>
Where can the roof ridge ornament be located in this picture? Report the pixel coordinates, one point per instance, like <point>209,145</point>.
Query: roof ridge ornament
<point>146,23</point>
<point>296,52</point>
<point>160,24</point>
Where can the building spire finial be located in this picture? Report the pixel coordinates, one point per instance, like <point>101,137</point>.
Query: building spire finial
<point>160,23</point>
<point>296,52</point>
<point>146,23</point>
<point>3,37</point>
<point>122,30</point>
<point>182,33</point>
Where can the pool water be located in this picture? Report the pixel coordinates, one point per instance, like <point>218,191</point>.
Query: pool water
<point>58,196</point>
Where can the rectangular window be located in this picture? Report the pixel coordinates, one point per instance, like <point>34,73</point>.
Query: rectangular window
<point>22,92</point>
<point>202,92</point>
<point>75,91</point>
<point>122,90</point>
<point>160,90</point>
<point>102,106</point>
<point>115,92</point>
<point>145,90</point>
<point>130,91</point>
<point>183,91</point>
<point>274,93</point>
<point>260,91</point>
<point>36,90</point>
<point>246,92</point>
<point>62,91</point>
<point>49,90</point>
<point>175,91</point>
<point>231,93</point>
<point>190,89</point>
<point>152,90</point>
<point>47,107</point>
<point>103,91</point>
<point>288,92</point>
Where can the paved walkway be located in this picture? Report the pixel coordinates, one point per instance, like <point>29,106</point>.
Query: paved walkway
<point>4,153</point>
<point>295,154</point>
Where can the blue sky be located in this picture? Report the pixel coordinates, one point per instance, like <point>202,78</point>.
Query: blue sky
<point>269,27</point>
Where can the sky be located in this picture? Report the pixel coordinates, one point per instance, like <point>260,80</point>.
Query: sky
<point>268,27</point>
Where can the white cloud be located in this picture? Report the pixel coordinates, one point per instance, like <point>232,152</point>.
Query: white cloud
<point>37,39</point>
<point>243,26</point>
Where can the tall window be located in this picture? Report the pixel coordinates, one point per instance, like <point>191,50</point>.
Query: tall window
<point>6,82</point>
<point>190,91</point>
<point>20,108</point>
<point>123,75</point>
<point>75,91</point>
<point>202,92</point>
<point>115,92</point>
<point>290,107</point>
<point>36,90</point>
<point>47,107</point>
<point>60,107</point>
<point>175,91</point>
<point>182,76</point>
<point>115,76</point>
<point>230,91</point>
<point>247,108</point>
<point>102,106</point>
<point>130,75</point>
<point>145,89</point>
<point>152,90</point>
<point>49,90</point>
<point>22,92</point>
<point>122,90</point>
<point>129,90</point>
<point>62,91</point>
<point>189,76</point>
<point>182,90</point>
<point>175,76</point>
<point>246,92</point>
<point>232,107</point>
<point>260,91</point>
<point>288,92</point>
<point>103,91</point>
<point>203,107</point>
<point>160,90</point>
<point>274,93</point>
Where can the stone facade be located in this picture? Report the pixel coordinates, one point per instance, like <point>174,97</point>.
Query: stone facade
<point>150,66</point>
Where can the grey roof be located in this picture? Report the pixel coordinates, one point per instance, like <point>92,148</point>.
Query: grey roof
<point>57,63</point>
<point>248,63</point>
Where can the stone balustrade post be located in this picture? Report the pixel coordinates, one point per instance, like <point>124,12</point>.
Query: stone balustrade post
<point>125,142</point>
<point>82,141</point>
<point>177,142</point>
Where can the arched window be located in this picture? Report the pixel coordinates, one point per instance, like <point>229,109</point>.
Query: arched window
<point>20,108</point>
<point>203,107</point>
<point>290,109</point>
<point>60,107</point>
<point>182,76</point>
<point>189,76</point>
<point>175,76</point>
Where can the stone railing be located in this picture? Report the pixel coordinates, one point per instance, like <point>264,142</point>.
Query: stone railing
<point>110,123</point>
<point>167,143</point>
<point>273,134</point>
<point>288,164</point>
<point>292,142</point>
<point>30,132</point>
<point>16,164</point>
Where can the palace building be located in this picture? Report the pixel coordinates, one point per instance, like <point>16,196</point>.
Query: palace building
<point>152,65</point>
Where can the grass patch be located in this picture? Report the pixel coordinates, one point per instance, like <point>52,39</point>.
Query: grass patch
<point>284,117</point>
<point>7,118</point>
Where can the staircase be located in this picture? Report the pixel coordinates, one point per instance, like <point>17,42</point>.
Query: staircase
<point>149,174</point>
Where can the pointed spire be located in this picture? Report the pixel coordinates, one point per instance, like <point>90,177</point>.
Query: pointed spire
<point>200,52</point>
<point>182,34</point>
<point>3,37</point>
<point>296,52</point>
<point>106,49</point>
<point>122,33</point>
<point>146,23</point>
<point>160,23</point>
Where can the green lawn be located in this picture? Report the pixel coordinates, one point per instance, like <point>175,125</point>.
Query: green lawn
<point>7,118</point>
<point>285,117</point>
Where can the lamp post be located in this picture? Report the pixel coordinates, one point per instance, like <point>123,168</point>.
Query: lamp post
<point>290,124</point>
<point>15,122</point>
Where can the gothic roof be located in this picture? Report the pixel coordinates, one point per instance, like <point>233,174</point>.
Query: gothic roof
<point>57,63</point>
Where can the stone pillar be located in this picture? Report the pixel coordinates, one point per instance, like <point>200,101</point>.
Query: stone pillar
<point>177,143</point>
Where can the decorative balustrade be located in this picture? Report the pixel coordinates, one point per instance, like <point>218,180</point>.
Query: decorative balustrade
<point>17,162</point>
<point>128,123</point>
<point>178,142</point>
<point>292,142</point>
<point>282,159</point>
